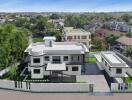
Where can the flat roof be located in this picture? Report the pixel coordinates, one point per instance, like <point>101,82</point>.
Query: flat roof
<point>71,30</point>
<point>49,38</point>
<point>71,47</point>
<point>112,59</point>
<point>56,67</point>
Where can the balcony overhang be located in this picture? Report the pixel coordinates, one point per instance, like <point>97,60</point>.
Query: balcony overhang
<point>56,67</point>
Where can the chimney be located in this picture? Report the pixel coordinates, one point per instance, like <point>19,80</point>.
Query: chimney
<point>49,41</point>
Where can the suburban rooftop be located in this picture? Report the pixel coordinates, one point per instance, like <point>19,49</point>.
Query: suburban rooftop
<point>58,47</point>
<point>49,38</point>
<point>71,30</point>
<point>125,40</point>
<point>113,59</point>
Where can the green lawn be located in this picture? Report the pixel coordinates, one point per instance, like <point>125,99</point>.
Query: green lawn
<point>39,39</point>
<point>128,79</point>
<point>91,59</point>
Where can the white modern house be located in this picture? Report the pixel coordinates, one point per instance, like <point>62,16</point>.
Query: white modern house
<point>52,58</point>
<point>77,35</point>
<point>112,64</point>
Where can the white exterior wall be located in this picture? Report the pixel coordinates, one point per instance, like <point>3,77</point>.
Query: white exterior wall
<point>43,62</point>
<point>37,64</point>
<point>37,75</point>
<point>112,71</point>
<point>60,87</point>
<point>46,87</point>
<point>87,40</point>
<point>69,58</point>
<point>70,72</point>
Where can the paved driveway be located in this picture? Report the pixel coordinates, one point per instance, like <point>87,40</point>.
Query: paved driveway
<point>91,69</point>
<point>99,81</point>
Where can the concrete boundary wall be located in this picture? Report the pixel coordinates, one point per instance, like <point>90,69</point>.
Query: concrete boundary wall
<point>60,87</point>
<point>44,87</point>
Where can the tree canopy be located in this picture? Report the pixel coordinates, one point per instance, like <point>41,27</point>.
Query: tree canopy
<point>13,42</point>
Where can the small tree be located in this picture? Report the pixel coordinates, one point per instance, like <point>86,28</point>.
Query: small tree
<point>128,52</point>
<point>13,72</point>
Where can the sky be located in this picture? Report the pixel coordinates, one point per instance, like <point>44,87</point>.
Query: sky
<point>65,5</point>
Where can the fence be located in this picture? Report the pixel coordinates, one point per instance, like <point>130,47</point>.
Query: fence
<point>121,87</point>
<point>44,87</point>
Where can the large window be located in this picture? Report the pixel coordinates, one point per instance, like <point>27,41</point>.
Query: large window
<point>65,58</point>
<point>118,71</point>
<point>84,37</point>
<point>56,59</point>
<point>69,37</point>
<point>74,68</point>
<point>47,58</point>
<point>36,71</point>
<point>36,60</point>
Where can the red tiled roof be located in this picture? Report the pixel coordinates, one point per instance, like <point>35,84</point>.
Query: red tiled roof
<point>106,32</point>
<point>125,40</point>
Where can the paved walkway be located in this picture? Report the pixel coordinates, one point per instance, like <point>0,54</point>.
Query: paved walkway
<point>99,81</point>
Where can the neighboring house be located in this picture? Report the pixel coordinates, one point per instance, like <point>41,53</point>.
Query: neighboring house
<point>124,42</point>
<point>105,33</point>
<point>120,26</point>
<point>93,27</point>
<point>57,22</point>
<point>113,65</point>
<point>77,35</point>
<point>2,20</point>
<point>52,58</point>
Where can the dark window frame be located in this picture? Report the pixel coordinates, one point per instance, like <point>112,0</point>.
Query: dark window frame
<point>65,59</point>
<point>36,60</point>
<point>36,71</point>
<point>47,58</point>
<point>56,59</point>
<point>78,37</point>
<point>66,68</point>
<point>84,37</point>
<point>75,68</point>
<point>118,71</point>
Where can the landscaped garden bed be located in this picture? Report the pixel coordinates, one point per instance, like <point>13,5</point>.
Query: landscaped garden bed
<point>38,39</point>
<point>90,59</point>
<point>127,79</point>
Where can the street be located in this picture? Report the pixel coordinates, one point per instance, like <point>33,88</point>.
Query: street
<point>16,95</point>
